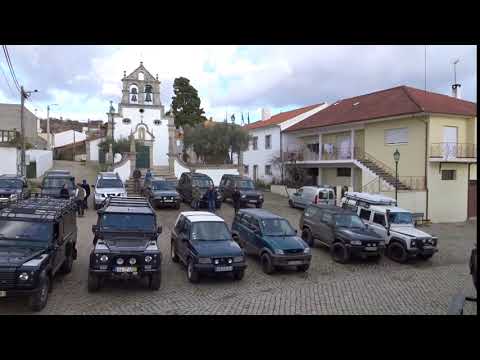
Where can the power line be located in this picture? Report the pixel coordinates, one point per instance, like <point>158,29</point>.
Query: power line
<point>10,66</point>
<point>6,80</point>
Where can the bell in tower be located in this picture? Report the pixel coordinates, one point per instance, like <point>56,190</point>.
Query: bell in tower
<point>134,98</point>
<point>148,93</point>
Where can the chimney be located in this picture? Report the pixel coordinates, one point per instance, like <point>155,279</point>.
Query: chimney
<point>265,114</point>
<point>456,91</point>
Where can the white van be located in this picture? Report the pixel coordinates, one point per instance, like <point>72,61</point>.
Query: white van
<point>307,195</point>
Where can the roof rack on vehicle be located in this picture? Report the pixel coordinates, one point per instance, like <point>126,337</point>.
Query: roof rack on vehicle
<point>370,199</point>
<point>38,208</point>
<point>127,201</point>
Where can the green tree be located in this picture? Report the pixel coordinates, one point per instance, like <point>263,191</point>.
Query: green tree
<point>213,144</point>
<point>120,146</point>
<point>186,104</point>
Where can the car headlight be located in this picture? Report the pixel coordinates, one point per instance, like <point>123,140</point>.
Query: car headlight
<point>230,260</point>
<point>120,261</point>
<point>356,242</point>
<point>132,261</point>
<point>413,243</point>
<point>23,276</point>
<point>104,258</point>
<point>244,196</point>
<point>260,196</point>
<point>148,258</point>
<point>424,241</point>
<point>279,252</point>
<point>216,261</point>
<point>238,259</point>
<point>205,261</point>
<point>434,241</point>
<point>306,250</point>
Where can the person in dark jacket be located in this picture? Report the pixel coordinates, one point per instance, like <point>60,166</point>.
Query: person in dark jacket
<point>136,178</point>
<point>64,193</point>
<point>236,196</point>
<point>86,187</point>
<point>211,197</point>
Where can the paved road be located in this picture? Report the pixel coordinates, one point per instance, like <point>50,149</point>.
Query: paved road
<point>328,288</point>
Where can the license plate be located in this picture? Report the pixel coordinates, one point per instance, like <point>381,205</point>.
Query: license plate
<point>295,262</point>
<point>126,269</point>
<point>427,246</point>
<point>223,268</point>
<point>3,293</point>
<point>370,248</point>
<point>168,200</point>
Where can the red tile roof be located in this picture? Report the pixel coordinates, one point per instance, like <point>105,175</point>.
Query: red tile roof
<point>281,117</point>
<point>396,101</point>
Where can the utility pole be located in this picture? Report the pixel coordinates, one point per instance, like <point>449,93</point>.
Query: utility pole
<point>73,144</point>
<point>23,95</point>
<point>49,140</point>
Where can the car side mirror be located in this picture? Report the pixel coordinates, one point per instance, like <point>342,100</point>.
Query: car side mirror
<point>159,229</point>
<point>296,231</point>
<point>94,228</point>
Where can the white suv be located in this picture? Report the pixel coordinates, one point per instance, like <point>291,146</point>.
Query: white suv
<point>108,184</point>
<point>394,224</point>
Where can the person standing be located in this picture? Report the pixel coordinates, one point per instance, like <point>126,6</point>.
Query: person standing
<point>136,179</point>
<point>86,187</point>
<point>236,196</point>
<point>64,193</point>
<point>80,199</point>
<point>196,195</point>
<point>211,197</point>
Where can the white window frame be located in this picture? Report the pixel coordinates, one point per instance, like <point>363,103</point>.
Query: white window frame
<point>397,136</point>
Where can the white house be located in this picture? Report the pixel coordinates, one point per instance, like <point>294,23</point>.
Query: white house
<point>67,137</point>
<point>268,141</point>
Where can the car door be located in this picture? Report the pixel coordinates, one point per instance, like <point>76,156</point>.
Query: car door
<point>256,235</point>
<point>297,197</point>
<point>245,232</point>
<point>315,222</point>
<point>183,246</point>
<point>379,224</point>
<point>59,246</point>
<point>328,230</point>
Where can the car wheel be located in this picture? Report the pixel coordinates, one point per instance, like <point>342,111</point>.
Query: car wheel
<point>38,301</point>
<point>397,252</point>
<point>93,282</point>
<point>67,264</point>
<point>303,268</point>
<point>192,275</point>
<point>290,203</point>
<point>339,252</point>
<point>238,275</point>
<point>307,237</point>
<point>267,265</point>
<point>173,253</point>
<point>425,256</point>
<point>258,206</point>
<point>155,281</point>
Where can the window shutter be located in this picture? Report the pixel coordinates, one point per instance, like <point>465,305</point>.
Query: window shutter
<point>396,136</point>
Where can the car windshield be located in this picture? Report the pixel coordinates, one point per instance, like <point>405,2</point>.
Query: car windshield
<point>202,182</point>
<point>210,231</point>
<point>58,182</point>
<point>400,218</point>
<point>245,185</point>
<point>11,184</point>
<point>127,222</point>
<point>110,183</point>
<point>163,185</point>
<point>277,227</point>
<point>349,221</point>
<point>25,231</point>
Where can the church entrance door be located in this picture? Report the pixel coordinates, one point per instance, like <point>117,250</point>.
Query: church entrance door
<point>143,156</point>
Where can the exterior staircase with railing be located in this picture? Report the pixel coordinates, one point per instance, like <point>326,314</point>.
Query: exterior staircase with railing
<point>157,171</point>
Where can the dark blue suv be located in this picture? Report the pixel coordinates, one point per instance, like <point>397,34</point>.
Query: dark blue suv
<point>272,238</point>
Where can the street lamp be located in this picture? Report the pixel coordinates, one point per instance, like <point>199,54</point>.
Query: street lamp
<point>396,157</point>
<point>23,95</point>
<point>49,140</point>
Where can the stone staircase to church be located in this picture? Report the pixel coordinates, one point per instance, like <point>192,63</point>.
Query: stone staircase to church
<point>157,171</point>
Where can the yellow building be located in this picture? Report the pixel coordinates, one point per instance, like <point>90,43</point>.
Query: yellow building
<point>352,143</point>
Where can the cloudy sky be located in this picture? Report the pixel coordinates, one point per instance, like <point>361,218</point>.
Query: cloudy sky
<point>233,79</point>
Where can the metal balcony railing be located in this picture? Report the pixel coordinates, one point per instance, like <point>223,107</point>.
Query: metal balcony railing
<point>452,150</point>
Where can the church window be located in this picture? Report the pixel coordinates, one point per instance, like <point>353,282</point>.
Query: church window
<point>141,133</point>
<point>148,93</point>
<point>126,121</point>
<point>157,122</point>
<point>141,76</point>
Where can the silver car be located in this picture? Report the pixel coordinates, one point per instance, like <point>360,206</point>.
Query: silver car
<point>108,185</point>
<point>307,195</point>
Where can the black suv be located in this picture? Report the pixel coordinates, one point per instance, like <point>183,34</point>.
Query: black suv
<point>125,243</point>
<point>12,189</point>
<point>202,241</point>
<point>38,238</point>
<point>185,187</point>
<point>53,183</point>
<point>161,192</point>
<point>341,230</point>
<point>249,195</point>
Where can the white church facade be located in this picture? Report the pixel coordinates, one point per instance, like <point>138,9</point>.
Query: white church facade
<point>141,115</point>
